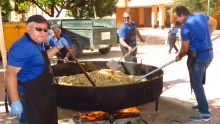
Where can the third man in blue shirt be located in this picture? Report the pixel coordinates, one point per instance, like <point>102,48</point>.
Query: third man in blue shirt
<point>127,34</point>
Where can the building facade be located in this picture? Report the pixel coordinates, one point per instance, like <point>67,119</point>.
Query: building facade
<point>149,13</point>
<point>145,13</point>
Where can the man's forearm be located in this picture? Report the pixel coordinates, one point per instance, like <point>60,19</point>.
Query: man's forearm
<point>182,53</point>
<point>52,51</point>
<point>68,54</point>
<point>212,28</point>
<point>212,24</point>
<point>184,49</point>
<point>139,35</point>
<point>123,43</point>
<point>12,86</point>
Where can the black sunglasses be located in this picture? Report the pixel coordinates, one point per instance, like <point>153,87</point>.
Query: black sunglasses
<point>126,18</point>
<point>39,29</point>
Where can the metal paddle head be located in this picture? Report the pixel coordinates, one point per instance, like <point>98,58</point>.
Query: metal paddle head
<point>113,65</point>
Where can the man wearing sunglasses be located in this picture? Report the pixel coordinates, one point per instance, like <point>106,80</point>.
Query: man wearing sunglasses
<point>29,78</point>
<point>127,34</point>
<point>63,55</point>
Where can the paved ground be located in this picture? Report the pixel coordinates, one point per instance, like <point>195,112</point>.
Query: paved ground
<point>176,80</point>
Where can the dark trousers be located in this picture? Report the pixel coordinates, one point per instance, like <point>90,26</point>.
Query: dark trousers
<point>172,41</point>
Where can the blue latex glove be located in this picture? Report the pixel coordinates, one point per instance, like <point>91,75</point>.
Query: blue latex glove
<point>61,42</point>
<point>16,109</point>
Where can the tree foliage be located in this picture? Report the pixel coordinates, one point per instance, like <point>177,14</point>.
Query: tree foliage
<point>47,6</point>
<point>90,8</point>
<point>50,7</point>
<point>22,7</point>
<point>197,5</point>
<point>105,7</point>
<point>77,8</point>
<point>5,8</point>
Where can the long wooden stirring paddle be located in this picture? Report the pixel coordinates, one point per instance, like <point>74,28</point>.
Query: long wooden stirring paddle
<point>77,62</point>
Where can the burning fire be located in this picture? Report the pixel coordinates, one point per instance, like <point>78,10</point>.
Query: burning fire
<point>96,115</point>
<point>129,110</point>
<point>93,115</point>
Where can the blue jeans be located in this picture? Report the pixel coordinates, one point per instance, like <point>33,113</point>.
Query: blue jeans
<point>197,76</point>
<point>23,119</point>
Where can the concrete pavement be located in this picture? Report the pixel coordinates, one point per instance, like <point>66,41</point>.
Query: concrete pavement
<point>176,80</point>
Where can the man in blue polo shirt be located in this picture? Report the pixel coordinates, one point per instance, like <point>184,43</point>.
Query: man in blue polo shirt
<point>172,37</point>
<point>127,34</point>
<point>63,55</point>
<point>29,78</point>
<point>196,43</point>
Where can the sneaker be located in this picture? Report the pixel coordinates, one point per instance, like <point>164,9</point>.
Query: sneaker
<point>177,51</point>
<point>195,107</point>
<point>200,117</point>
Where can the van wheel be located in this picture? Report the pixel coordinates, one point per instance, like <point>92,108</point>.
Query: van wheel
<point>77,51</point>
<point>105,50</point>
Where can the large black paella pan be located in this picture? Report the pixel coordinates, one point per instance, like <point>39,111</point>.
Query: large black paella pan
<point>108,98</point>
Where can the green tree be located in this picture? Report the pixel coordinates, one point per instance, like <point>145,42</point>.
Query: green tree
<point>76,8</point>
<point>5,8</point>
<point>90,8</point>
<point>22,7</point>
<point>105,7</point>
<point>197,5</point>
<point>49,7</point>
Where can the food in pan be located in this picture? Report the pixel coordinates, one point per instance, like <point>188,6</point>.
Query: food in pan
<point>103,77</point>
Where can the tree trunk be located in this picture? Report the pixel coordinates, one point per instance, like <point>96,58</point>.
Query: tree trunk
<point>52,11</point>
<point>23,17</point>
<point>94,10</point>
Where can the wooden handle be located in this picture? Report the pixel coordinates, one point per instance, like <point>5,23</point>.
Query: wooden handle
<point>129,52</point>
<point>80,66</point>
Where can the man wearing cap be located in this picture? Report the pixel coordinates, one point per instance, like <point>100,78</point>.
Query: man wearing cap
<point>63,55</point>
<point>29,78</point>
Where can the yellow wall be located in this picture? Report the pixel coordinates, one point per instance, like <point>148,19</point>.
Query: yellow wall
<point>162,15</point>
<point>119,15</point>
<point>141,16</point>
<point>135,15</point>
<point>147,17</point>
<point>154,16</point>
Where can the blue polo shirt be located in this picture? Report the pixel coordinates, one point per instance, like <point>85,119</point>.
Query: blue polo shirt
<point>25,55</point>
<point>123,29</point>
<point>174,30</point>
<point>196,30</point>
<point>52,40</point>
